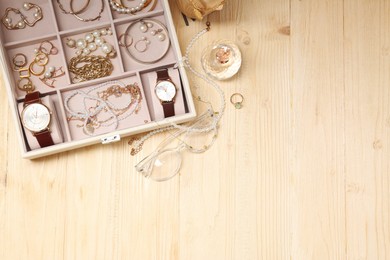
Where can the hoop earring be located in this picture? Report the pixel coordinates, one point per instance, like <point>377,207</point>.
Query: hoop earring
<point>124,42</point>
<point>138,44</point>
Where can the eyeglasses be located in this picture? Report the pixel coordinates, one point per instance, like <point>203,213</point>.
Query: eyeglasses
<point>165,162</point>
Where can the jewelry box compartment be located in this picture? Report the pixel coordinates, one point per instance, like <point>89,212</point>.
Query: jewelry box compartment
<point>97,78</point>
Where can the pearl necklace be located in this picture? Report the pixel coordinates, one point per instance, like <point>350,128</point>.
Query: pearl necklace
<point>91,42</point>
<point>125,10</point>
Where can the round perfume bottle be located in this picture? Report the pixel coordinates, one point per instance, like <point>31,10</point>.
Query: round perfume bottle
<point>221,59</point>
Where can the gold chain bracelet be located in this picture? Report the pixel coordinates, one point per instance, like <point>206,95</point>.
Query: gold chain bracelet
<point>94,67</point>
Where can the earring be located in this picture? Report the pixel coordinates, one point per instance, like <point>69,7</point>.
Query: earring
<point>7,21</point>
<point>142,45</point>
<point>37,15</point>
<point>49,78</point>
<point>159,34</point>
<point>144,27</point>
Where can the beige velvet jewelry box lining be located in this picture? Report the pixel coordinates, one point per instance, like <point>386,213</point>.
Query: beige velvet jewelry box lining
<point>56,27</point>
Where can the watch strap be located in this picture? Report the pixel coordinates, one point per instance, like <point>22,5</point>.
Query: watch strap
<point>31,98</point>
<point>163,74</point>
<point>169,108</point>
<point>44,138</point>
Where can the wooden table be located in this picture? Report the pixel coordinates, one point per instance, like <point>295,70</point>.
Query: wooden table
<point>301,172</point>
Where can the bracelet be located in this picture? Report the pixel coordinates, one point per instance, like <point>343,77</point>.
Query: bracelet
<point>90,114</point>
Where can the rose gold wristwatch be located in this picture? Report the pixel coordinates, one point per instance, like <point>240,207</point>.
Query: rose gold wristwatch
<point>36,117</point>
<point>166,91</point>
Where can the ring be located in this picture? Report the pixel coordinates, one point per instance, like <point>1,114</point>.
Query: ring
<point>19,63</point>
<point>237,99</point>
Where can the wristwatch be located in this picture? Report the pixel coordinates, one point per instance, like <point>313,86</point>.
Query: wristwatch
<point>165,91</point>
<point>36,118</point>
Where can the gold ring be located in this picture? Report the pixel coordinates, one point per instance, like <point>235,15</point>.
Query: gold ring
<point>237,99</point>
<point>19,63</point>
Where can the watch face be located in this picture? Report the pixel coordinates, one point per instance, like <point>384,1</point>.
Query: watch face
<point>165,90</point>
<point>36,117</point>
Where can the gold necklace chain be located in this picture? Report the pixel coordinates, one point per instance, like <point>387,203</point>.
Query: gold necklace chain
<point>95,67</point>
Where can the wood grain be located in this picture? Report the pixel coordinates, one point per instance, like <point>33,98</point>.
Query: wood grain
<point>301,172</point>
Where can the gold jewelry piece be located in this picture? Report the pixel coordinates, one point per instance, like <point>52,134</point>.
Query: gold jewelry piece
<point>125,43</point>
<point>223,55</point>
<point>21,24</point>
<point>95,67</point>
<point>27,87</point>
<point>19,63</point>
<point>32,70</point>
<point>123,9</point>
<point>52,50</point>
<point>42,59</point>
<point>237,99</point>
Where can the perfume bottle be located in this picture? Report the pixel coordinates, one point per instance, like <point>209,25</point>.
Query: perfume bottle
<point>221,59</point>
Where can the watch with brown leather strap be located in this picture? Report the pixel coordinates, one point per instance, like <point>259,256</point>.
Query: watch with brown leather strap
<point>36,117</point>
<point>166,91</point>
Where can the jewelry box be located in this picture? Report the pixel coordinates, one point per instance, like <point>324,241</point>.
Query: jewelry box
<point>79,73</point>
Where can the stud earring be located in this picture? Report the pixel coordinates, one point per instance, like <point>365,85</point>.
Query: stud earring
<point>142,45</point>
<point>159,34</point>
<point>144,27</point>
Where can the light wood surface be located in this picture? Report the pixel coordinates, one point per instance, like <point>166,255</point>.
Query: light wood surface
<point>301,172</point>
